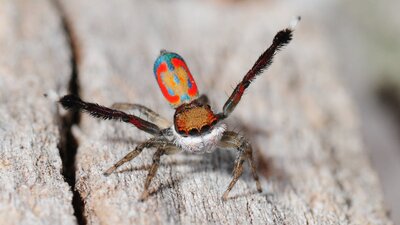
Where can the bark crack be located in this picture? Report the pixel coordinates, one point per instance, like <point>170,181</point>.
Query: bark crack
<point>68,144</point>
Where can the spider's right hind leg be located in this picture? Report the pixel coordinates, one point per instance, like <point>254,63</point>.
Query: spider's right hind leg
<point>234,140</point>
<point>150,114</point>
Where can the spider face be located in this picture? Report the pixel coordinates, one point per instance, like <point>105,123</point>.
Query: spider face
<point>194,119</point>
<point>196,128</point>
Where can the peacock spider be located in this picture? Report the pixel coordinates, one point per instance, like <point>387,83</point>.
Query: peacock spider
<point>196,128</point>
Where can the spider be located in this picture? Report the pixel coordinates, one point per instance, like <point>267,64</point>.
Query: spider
<point>196,128</point>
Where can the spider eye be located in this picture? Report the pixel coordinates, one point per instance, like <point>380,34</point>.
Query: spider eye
<point>182,132</point>
<point>174,78</point>
<point>205,128</point>
<point>193,131</point>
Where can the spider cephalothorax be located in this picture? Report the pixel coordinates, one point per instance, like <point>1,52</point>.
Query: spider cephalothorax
<point>194,119</point>
<point>195,128</point>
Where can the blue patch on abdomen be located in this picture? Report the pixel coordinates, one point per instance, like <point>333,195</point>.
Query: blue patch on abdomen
<point>185,97</point>
<point>176,79</point>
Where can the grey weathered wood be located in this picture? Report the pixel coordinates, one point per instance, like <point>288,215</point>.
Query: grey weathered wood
<point>34,58</point>
<point>310,154</point>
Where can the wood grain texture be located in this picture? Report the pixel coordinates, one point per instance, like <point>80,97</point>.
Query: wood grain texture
<point>34,59</point>
<point>314,167</point>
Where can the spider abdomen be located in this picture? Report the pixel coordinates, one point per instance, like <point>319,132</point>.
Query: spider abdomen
<point>174,79</point>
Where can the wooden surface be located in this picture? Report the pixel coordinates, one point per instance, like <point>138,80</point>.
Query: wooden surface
<point>313,166</point>
<point>34,59</point>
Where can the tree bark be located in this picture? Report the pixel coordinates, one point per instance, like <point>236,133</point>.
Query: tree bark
<point>34,59</point>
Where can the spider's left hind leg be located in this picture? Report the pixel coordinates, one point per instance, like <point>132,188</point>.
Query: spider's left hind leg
<point>152,172</point>
<point>167,149</point>
<point>151,143</point>
<point>231,139</point>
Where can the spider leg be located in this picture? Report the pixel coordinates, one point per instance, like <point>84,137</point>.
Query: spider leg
<point>231,139</point>
<point>95,110</point>
<point>203,99</point>
<point>152,172</point>
<point>148,113</point>
<point>281,39</point>
<point>153,142</point>
<point>167,148</point>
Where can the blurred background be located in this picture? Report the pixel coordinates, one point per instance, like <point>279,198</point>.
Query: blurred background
<point>364,35</point>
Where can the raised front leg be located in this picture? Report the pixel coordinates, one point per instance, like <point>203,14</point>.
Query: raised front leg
<point>231,140</point>
<point>148,113</point>
<point>98,111</point>
<point>281,39</point>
